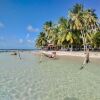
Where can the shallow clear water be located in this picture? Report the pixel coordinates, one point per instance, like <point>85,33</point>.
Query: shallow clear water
<point>60,79</point>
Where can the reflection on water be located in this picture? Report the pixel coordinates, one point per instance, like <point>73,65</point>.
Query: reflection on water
<point>60,79</point>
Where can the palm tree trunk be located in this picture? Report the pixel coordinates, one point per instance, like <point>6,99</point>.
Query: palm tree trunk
<point>84,40</point>
<point>71,47</point>
<point>68,47</point>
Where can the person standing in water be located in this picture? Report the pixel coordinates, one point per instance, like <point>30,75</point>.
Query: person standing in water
<point>86,60</point>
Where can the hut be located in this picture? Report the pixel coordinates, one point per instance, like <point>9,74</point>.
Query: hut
<point>51,46</point>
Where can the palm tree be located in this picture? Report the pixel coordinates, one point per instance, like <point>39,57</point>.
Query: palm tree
<point>77,8</point>
<point>48,26</point>
<point>83,21</point>
<point>41,40</point>
<point>80,28</point>
<point>90,25</point>
<point>67,36</point>
<point>96,40</point>
<point>55,35</point>
<point>63,31</point>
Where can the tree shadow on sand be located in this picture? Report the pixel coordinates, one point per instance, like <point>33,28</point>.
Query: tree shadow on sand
<point>71,98</point>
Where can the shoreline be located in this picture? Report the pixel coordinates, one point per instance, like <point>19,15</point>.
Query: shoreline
<point>62,53</point>
<point>71,53</point>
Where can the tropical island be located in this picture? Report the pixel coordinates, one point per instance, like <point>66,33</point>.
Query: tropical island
<point>65,65</point>
<point>77,32</point>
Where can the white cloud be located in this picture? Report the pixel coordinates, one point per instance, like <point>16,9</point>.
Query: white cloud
<point>1,25</point>
<point>27,35</point>
<point>31,29</point>
<point>21,40</point>
<point>30,41</point>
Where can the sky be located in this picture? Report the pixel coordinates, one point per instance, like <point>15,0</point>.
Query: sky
<point>22,20</point>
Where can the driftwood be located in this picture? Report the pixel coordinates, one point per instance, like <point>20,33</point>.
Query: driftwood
<point>53,55</point>
<point>86,60</point>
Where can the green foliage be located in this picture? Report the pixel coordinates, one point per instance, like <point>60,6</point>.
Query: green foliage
<point>77,29</point>
<point>41,40</point>
<point>96,39</point>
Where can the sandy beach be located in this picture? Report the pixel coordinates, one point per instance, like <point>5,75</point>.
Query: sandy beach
<point>73,53</point>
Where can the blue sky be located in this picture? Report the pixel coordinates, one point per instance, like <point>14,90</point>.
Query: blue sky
<point>22,20</point>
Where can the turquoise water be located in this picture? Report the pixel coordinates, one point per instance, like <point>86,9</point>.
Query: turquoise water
<point>60,79</point>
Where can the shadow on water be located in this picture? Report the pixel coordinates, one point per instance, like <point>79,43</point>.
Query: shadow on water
<point>71,98</point>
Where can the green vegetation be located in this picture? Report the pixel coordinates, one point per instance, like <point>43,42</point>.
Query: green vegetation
<point>79,30</point>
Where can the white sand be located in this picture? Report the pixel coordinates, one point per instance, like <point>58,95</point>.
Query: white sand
<point>73,53</point>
